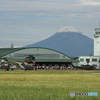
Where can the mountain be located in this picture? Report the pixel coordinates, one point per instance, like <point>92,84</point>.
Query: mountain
<point>69,42</point>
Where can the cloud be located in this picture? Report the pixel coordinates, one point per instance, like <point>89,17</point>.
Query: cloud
<point>13,39</point>
<point>34,9</point>
<point>18,46</point>
<point>90,2</point>
<point>10,46</point>
<point>68,29</point>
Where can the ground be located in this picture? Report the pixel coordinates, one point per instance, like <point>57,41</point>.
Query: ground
<point>48,84</point>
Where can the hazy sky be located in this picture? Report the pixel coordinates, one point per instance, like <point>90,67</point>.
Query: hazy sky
<point>24,22</point>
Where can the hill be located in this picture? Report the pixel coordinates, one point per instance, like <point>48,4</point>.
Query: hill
<point>69,42</point>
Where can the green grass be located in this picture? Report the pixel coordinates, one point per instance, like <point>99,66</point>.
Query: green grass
<point>48,84</point>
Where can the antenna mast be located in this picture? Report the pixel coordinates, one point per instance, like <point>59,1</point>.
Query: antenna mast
<point>12,45</point>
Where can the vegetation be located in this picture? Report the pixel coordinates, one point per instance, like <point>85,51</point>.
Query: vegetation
<point>48,84</point>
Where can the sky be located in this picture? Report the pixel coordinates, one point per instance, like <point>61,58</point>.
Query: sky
<point>24,22</point>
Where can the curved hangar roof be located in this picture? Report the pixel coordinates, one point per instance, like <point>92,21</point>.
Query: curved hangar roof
<point>40,54</point>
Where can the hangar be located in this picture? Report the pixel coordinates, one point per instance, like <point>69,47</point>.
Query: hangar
<point>43,56</point>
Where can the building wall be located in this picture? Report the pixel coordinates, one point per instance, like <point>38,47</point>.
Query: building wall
<point>92,60</point>
<point>38,53</point>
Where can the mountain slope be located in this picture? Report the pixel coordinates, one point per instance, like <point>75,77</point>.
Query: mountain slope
<point>73,44</point>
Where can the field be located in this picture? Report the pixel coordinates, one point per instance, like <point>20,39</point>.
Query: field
<point>48,84</point>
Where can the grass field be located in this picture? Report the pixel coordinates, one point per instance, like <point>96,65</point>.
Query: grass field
<point>48,84</point>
